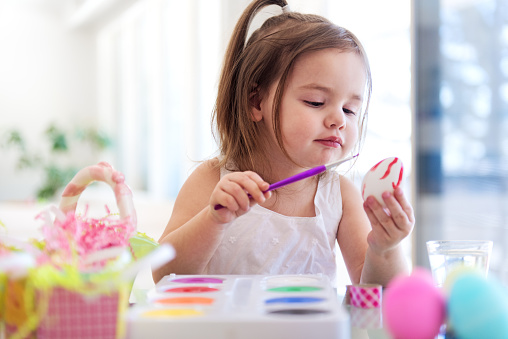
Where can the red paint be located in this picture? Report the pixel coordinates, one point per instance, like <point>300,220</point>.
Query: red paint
<point>388,170</point>
<point>376,165</point>
<point>192,289</point>
<point>400,177</point>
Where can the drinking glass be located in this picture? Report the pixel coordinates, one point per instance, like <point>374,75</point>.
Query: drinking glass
<point>447,255</point>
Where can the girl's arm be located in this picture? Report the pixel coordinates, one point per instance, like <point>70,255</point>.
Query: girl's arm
<point>385,257</point>
<point>376,233</point>
<point>353,230</point>
<point>195,228</point>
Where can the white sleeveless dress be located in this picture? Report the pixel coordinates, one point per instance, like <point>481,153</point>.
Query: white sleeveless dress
<point>265,242</point>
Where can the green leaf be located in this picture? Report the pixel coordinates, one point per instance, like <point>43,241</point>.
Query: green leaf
<point>57,138</point>
<point>15,139</point>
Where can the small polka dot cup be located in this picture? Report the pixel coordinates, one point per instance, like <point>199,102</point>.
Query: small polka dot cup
<point>366,295</point>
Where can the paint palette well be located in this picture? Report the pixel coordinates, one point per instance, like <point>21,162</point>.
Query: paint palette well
<point>247,306</point>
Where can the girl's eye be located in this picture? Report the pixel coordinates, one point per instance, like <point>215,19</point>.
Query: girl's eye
<point>314,103</point>
<point>348,111</point>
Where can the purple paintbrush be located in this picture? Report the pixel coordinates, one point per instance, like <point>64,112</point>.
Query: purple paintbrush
<point>305,174</point>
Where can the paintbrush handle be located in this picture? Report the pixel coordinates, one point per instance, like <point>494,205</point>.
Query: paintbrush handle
<point>297,177</point>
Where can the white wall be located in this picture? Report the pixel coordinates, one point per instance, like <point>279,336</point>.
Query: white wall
<point>47,74</point>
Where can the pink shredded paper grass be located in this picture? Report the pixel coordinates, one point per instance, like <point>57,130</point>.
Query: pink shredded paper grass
<point>82,235</point>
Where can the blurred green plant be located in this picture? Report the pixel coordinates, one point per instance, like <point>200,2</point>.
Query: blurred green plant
<point>56,176</point>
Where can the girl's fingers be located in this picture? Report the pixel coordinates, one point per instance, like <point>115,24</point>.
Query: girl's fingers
<point>382,220</point>
<point>379,212</point>
<point>255,186</point>
<point>400,209</point>
<point>404,203</point>
<point>227,201</point>
<point>397,215</point>
<point>391,224</point>
<point>233,191</point>
<point>371,205</point>
<point>237,192</point>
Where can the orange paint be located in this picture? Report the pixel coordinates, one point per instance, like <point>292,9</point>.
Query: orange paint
<point>186,300</point>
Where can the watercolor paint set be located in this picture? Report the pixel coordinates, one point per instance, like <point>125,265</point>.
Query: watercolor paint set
<point>233,306</point>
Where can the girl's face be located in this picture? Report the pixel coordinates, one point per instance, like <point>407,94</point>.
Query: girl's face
<point>320,108</point>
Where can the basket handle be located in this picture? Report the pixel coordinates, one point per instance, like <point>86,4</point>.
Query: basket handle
<point>101,172</point>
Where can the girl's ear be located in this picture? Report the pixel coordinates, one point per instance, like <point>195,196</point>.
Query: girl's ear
<point>255,104</point>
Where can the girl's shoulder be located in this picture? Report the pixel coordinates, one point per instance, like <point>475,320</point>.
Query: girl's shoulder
<point>208,171</point>
<point>340,184</point>
<point>203,179</point>
<point>333,178</point>
<point>346,183</point>
<point>349,189</point>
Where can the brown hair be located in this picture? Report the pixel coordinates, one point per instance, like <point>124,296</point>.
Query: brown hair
<point>267,56</point>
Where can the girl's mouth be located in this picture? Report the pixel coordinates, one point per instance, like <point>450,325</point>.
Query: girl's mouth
<point>330,142</point>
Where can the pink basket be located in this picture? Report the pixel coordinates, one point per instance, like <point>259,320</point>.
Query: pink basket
<point>78,316</point>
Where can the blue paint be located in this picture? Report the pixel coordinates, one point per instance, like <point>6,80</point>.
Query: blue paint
<point>293,300</point>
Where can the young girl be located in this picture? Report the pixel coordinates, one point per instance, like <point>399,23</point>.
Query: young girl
<point>292,97</point>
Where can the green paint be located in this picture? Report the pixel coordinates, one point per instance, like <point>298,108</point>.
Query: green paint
<point>294,289</point>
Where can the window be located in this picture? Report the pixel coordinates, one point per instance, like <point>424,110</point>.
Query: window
<point>158,65</point>
<point>461,114</point>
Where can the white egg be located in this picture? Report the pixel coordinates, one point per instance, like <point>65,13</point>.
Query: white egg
<point>385,176</point>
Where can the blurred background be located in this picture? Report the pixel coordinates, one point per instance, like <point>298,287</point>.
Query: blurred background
<point>133,82</point>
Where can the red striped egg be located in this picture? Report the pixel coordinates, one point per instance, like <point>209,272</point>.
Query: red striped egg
<point>385,176</point>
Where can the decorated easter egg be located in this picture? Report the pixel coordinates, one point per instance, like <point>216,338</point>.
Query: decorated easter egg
<point>413,307</point>
<point>385,176</point>
<point>478,308</point>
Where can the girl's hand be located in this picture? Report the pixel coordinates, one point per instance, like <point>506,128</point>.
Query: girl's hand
<point>391,225</point>
<point>232,192</point>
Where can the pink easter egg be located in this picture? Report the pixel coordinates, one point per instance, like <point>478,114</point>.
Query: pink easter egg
<point>413,307</point>
<point>385,176</point>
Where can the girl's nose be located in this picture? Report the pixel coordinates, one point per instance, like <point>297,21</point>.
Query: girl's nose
<point>336,119</point>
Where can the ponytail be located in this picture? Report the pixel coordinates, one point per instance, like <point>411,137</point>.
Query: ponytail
<point>235,138</point>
